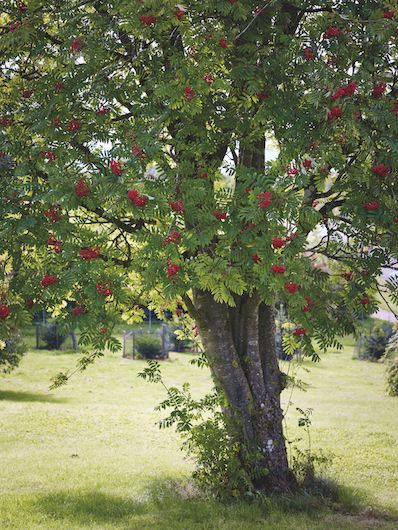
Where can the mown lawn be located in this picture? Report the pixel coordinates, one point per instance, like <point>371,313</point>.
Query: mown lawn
<point>89,455</point>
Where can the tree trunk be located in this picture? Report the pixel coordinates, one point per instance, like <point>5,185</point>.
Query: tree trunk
<point>240,348</point>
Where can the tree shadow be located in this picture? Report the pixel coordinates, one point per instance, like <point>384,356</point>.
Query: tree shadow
<point>12,395</point>
<point>166,504</point>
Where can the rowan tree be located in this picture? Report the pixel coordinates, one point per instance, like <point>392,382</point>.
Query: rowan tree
<point>133,136</point>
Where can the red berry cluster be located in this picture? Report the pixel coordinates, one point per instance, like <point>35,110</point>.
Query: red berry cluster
<point>81,188</point>
<point>256,258</point>
<point>278,269</point>
<point>172,269</point>
<point>48,155</point>
<point>138,152</point>
<point>148,20</point>
<point>378,90</point>
<point>381,170</point>
<point>308,54</point>
<point>173,237</point>
<point>221,216</point>
<point>74,125</point>
<point>77,45</point>
<point>5,121</point>
<point>48,279</point>
<point>136,198</point>
<point>27,93</point>
<point>53,214</point>
<point>55,243</point>
<point>209,79</point>
<point>371,206</point>
<point>177,206</point>
<point>331,32</point>
<point>89,253</point>
<point>308,304</point>
<point>278,242</point>
<point>345,91</point>
<point>78,311</point>
<point>115,167</point>
<point>5,311</point>
<point>298,332</point>
<point>103,288</point>
<point>189,93</point>
<point>292,287</point>
<point>265,199</point>
<point>335,113</point>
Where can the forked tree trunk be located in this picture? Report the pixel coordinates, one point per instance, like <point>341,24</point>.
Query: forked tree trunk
<point>240,347</point>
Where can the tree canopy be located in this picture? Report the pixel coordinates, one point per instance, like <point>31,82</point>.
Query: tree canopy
<point>132,159</point>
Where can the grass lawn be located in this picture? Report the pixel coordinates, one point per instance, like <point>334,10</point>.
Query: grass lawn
<point>89,455</point>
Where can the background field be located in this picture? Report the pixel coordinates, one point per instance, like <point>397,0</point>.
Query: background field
<point>89,455</point>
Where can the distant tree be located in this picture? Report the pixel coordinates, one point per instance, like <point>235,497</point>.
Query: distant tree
<point>133,136</point>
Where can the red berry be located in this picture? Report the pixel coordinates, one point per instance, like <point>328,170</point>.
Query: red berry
<point>307,163</point>
<point>148,20</point>
<point>173,237</point>
<point>89,253</point>
<point>292,287</point>
<point>347,275</point>
<point>298,332</point>
<point>381,170</point>
<point>52,214</point>
<point>189,93</point>
<point>308,54</point>
<point>103,288</point>
<point>102,110</point>
<point>48,279</point>
<point>221,216</point>
<point>103,331</point>
<point>265,199</point>
<point>56,123</point>
<point>48,155</point>
<point>74,125</point>
<point>115,167</point>
<point>14,26</point>
<point>389,14</point>
<point>209,79</point>
<point>278,242</point>
<point>77,45</point>
<point>395,219</point>
<point>262,96</point>
<point>177,206</point>
<point>332,31</point>
<point>308,304</point>
<point>78,310</point>
<point>22,7</point>
<point>256,258</point>
<point>137,151</point>
<point>278,269</point>
<point>136,198</point>
<point>223,43</point>
<point>172,269</point>
<point>5,121</point>
<point>59,85</point>
<point>379,89</point>
<point>27,93</point>
<point>81,188</point>
<point>293,171</point>
<point>5,311</point>
<point>371,205</point>
<point>364,300</point>
<point>335,113</point>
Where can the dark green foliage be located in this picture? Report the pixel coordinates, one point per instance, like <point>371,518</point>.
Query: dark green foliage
<point>391,351</point>
<point>53,338</point>
<point>12,353</point>
<point>392,378</point>
<point>371,347</point>
<point>149,346</point>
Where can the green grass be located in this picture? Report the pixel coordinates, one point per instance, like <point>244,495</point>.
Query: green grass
<point>89,455</point>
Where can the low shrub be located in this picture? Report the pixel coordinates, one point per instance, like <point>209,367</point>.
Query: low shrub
<point>372,345</point>
<point>148,346</point>
<point>12,352</point>
<point>391,351</point>
<point>392,377</point>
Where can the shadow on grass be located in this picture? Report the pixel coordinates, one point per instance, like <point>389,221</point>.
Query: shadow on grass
<point>166,505</point>
<point>12,395</point>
